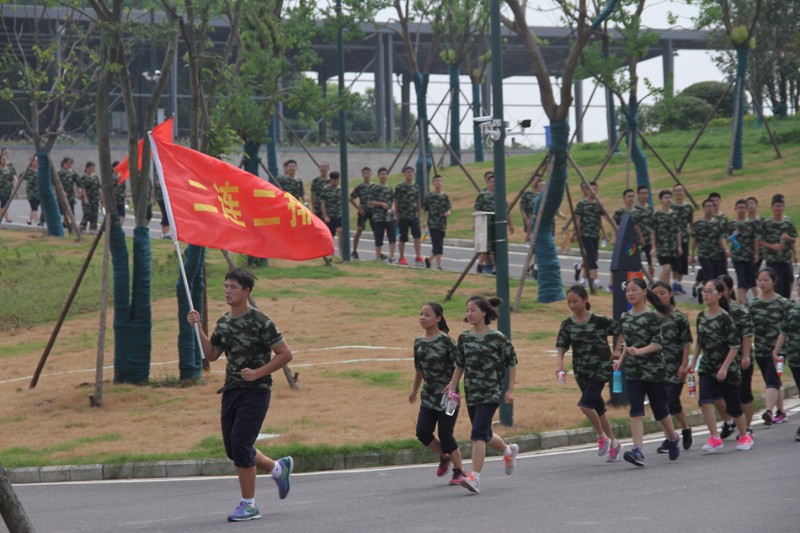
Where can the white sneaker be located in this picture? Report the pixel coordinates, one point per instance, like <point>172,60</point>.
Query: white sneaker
<point>510,459</point>
<point>471,483</point>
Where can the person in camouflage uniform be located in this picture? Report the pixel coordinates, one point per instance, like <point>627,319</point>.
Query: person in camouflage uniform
<point>330,201</point>
<point>639,342</point>
<point>708,243</point>
<point>32,191</point>
<point>434,362</point>
<point>91,196</point>
<point>382,217</point>
<point>437,207</point>
<point>589,226</point>
<point>719,373</point>
<point>755,219</point>
<point>526,203</point>
<point>677,340</point>
<point>666,236</point>
<point>484,354</point>
<point>768,312</point>
<point>719,216</point>
<point>319,183</point>
<point>643,217</point>
<point>743,249</point>
<point>7,181</point>
<point>586,333</point>
<point>778,237</point>
<point>247,337</point>
<point>684,214</point>
<point>629,198</point>
<point>484,202</point>
<point>290,183</point>
<point>788,342</point>
<point>361,193</point>
<point>158,196</point>
<point>119,193</point>
<point>69,183</point>
<point>408,205</point>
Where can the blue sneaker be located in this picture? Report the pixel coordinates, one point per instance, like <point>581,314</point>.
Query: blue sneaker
<point>244,512</point>
<point>284,481</point>
<point>634,457</point>
<point>672,447</point>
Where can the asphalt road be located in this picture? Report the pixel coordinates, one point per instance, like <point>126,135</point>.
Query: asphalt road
<point>564,490</point>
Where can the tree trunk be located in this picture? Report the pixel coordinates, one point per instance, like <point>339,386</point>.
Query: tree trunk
<point>455,116</point>
<point>10,507</point>
<point>272,150</point>
<point>189,353</point>
<point>476,131</point>
<point>737,159</point>
<point>638,156</point>
<point>421,88</point>
<point>251,160</point>
<point>50,209</point>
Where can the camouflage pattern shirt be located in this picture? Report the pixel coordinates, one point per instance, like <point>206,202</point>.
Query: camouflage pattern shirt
<point>332,196</point>
<point>591,356</point>
<point>590,214</point>
<point>767,315</point>
<point>361,192</point>
<point>771,231</point>
<point>746,237</point>
<point>68,179</point>
<point>527,202</point>
<point>485,201</point>
<point>381,193</point>
<point>436,205</point>
<point>6,182</point>
<point>677,335</point>
<point>742,319</point>
<point>293,186</point>
<point>643,216</point>
<point>758,225</point>
<point>665,226</point>
<point>435,359</point>
<point>707,234</point>
<point>408,201</point>
<point>157,192</point>
<point>716,335</point>
<point>484,359</point>
<point>32,185</point>
<point>791,328</point>
<point>617,216</point>
<point>247,341</point>
<point>684,214</point>
<point>119,190</point>
<point>640,330</point>
<point>91,186</point>
<point>317,184</point>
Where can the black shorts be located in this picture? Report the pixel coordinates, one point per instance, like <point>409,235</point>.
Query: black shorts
<point>164,217</point>
<point>745,274</point>
<point>746,386</point>
<point>121,209</point>
<point>683,259</point>
<point>34,204</point>
<point>713,268</point>
<point>592,396</point>
<point>654,390</point>
<point>767,366</point>
<point>243,412</point>
<point>361,220</point>
<point>711,389</point>
<point>647,248</point>
<point>3,201</point>
<point>590,249</point>
<point>413,225</point>
<point>334,224</point>
<point>481,418</point>
<point>429,419</point>
<point>437,241</point>
<point>785,272</point>
<point>674,391</point>
<point>379,228</point>
<point>670,260</point>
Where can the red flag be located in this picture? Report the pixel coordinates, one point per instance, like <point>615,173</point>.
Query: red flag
<point>162,131</point>
<point>214,204</point>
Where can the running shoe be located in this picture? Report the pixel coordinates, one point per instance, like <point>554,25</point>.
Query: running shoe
<point>577,268</point>
<point>726,430</point>
<point>427,262</point>
<point>479,268</point>
<point>458,476</point>
<point>767,418</point>
<point>510,459</point>
<point>797,435</point>
<point>603,444</point>
<point>244,512</point>
<point>780,417</point>
<point>403,261</point>
<point>613,453</point>
<point>673,448</point>
<point>444,467</point>
<point>284,481</point>
<point>634,457</point>
<point>686,436</point>
<point>714,443</point>
<point>419,259</point>
<point>664,447</point>
<point>392,260</point>
<point>354,255</point>
<point>471,483</point>
<point>384,257</point>
<point>744,442</point>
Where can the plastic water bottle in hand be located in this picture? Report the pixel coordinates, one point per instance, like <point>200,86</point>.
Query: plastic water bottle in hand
<point>616,383</point>
<point>452,403</point>
<point>691,382</point>
<point>779,366</point>
<point>562,377</point>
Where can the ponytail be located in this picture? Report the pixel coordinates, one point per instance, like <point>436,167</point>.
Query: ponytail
<point>438,310</point>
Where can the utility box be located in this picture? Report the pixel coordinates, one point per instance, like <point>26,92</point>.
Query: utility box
<point>484,232</point>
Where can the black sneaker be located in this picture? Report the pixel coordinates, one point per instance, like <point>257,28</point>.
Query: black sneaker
<point>726,430</point>
<point>635,457</point>
<point>384,257</point>
<point>354,255</point>
<point>797,435</point>
<point>686,434</point>
<point>673,448</point>
<point>577,267</point>
<point>767,418</point>
<point>479,268</point>
<point>427,262</point>
<point>664,448</point>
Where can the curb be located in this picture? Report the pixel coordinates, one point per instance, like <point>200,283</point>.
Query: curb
<point>335,461</point>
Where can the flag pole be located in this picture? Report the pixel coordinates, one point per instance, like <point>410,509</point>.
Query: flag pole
<point>173,235</point>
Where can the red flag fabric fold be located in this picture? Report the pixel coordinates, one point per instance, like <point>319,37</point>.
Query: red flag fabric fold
<point>162,131</point>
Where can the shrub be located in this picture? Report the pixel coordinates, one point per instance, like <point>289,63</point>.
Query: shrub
<point>681,112</point>
<point>711,92</point>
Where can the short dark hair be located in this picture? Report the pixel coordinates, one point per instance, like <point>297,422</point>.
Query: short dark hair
<point>741,201</point>
<point>663,193</point>
<point>242,277</point>
<point>715,195</point>
<point>366,168</point>
<point>626,191</point>
<point>708,200</point>
<point>89,164</point>
<point>408,167</point>
<point>289,162</point>
<point>335,175</point>
<point>640,187</point>
<point>383,169</point>
<point>777,199</point>
<point>752,198</point>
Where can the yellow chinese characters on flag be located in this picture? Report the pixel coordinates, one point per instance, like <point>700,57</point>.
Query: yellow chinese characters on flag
<point>217,205</point>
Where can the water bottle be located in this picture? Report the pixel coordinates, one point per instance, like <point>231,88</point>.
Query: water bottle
<point>779,366</point>
<point>604,242</point>
<point>445,399</point>
<point>691,383</point>
<point>734,242</point>
<point>562,377</point>
<point>452,403</point>
<point>424,235</point>
<point>616,383</point>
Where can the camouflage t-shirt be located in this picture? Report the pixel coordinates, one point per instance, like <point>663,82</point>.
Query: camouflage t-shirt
<point>746,237</point>
<point>119,190</point>
<point>293,186</point>
<point>407,197</point>
<point>643,216</point>
<point>716,335</point>
<point>757,223</point>
<point>361,192</point>
<point>771,231</point>
<point>435,359</point>
<point>381,193</point>
<point>436,206</point>
<point>317,184</point>
<point>590,217</point>
<point>791,328</point>
<point>617,216</point>
<point>665,226</point>
<point>32,185</point>
<point>158,194</point>
<point>743,321</point>
<point>684,214</point>
<point>639,330</point>
<point>332,196</point>
<point>767,315</point>
<point>677,335</point>
<point>247,341</point>
<point>68,179</point>
<point>485,202</point>
<point>707,234</point>
<point>6,181</point>
<point>526,203</point>
<point>591,356</point>
<point>91,186</point>
<point>484,359</point>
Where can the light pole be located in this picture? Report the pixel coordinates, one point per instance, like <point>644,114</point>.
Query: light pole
<point>345,242</point>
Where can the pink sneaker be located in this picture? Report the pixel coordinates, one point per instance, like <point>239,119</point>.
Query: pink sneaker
<point>714,443</point>
<point>457,477</point>
<point>744,442</point>
<point>603,444</point>
<point>444,467</point>
<point>614,453</point>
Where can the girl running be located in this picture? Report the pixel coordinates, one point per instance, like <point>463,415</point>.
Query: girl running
<point>789,341</point>
<point>484,355</point>
<point>718,371</point>
<point>768,312</point>
<point>677,337</point>
<point>434,359</point>
<point>639,347</point>
<point>587,334</point>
